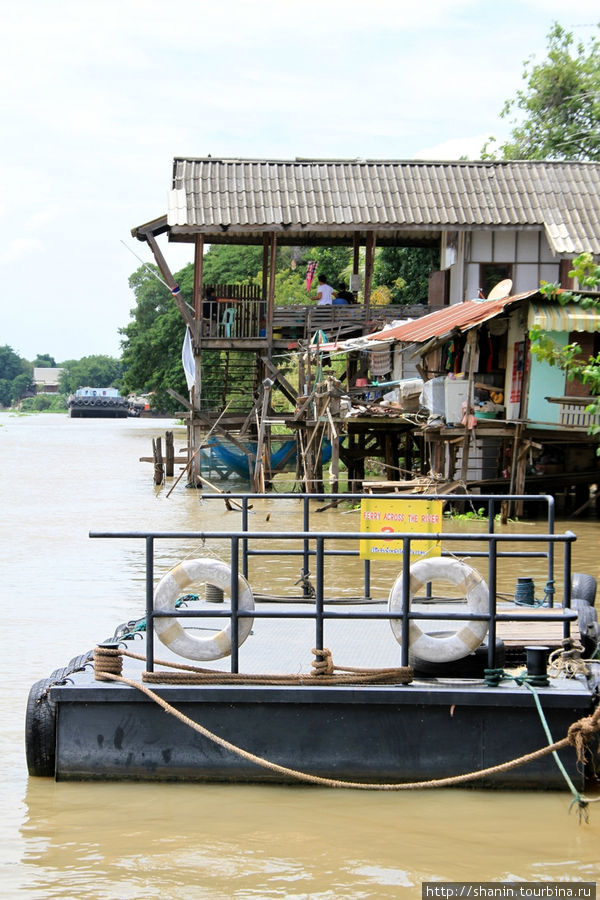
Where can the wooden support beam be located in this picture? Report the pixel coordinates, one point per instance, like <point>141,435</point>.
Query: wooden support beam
<point>259,466</point>
<point>369,263</point>
<point>286,388</point>
<point>205,421</point>
<point>169,454</point>
<point>271,294</point>
<point>186,311</point>
<point>471,344</point>
<point>198,277</point>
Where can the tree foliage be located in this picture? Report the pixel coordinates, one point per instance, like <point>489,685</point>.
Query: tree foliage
<point>231,264</point>
<point>44,361</point>
<point>152,341</point>
<point>90,371</point>
<point>405,271</point>
<point>11,364</point>
<point>15,376</point>
<point>557,114</point>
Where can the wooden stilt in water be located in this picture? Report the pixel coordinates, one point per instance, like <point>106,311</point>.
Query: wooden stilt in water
<point>159,471</point>
<point>169,454</point>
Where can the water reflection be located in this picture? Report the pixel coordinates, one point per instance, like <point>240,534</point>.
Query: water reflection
<point>220,841</point>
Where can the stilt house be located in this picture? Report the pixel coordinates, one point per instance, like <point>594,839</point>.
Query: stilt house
<point>492,221</point>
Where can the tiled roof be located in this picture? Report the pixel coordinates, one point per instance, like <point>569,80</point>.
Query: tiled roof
<point>218,196</point>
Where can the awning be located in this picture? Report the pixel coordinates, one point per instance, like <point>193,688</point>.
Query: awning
<point>563,318</point>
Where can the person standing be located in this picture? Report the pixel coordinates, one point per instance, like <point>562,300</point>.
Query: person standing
<point>324,292</point>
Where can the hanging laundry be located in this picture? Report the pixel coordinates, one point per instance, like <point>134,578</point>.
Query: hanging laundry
<point>380,362</point>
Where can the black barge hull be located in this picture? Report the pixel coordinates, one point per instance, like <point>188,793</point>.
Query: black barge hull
<point>404,733</point>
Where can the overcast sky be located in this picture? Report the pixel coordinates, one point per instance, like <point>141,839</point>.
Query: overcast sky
<point>98,97</point>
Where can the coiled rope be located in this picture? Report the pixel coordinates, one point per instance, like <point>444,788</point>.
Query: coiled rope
<point>580,735</point>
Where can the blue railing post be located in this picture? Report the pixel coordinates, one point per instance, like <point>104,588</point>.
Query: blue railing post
<point>567,585</point>
<point>319,602</point>
<point>405,600</point>
<point>149,603</point>
<point>306,547</point>
<point>244,541</point>
<point>551,549</point>
<point>235,621</point>
<point>492,562</point>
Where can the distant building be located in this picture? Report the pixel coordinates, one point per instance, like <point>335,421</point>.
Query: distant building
<point>46,380</point>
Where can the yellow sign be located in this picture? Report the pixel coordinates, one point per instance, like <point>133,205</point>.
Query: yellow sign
<point>405,516</point>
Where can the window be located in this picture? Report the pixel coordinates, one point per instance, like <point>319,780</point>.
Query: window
<point>491,273</point>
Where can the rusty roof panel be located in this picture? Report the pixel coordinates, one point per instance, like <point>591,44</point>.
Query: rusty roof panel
<point>460,316</point>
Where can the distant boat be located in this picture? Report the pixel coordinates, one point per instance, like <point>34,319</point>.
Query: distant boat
<point>97,403</point>
<point>224,457</point>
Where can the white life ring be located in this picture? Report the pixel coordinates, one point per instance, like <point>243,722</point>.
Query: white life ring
<point>170,630</point>
<point>469,634</point>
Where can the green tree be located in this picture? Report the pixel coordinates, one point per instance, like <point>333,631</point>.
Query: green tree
<point>44,361</point>
<point>20,386</point>
<point>557,114</point>
<point>5,392</point>
<point>11,364</point>
<point>152,341</point>
<point>231,264</point>
<point>405,271</point>
<point>90,371</point>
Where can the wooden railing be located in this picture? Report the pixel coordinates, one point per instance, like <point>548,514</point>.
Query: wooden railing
<point>240,315</point>
<point>337,322</point>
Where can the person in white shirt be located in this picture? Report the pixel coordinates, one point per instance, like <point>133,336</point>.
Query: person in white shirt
<point>324,292</point>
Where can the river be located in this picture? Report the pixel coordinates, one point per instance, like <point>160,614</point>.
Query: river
<point>61,592</point>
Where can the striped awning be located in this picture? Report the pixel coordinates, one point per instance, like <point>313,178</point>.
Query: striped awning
<point>563,318</point>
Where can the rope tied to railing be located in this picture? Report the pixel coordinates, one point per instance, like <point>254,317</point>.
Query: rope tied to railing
<point>322,664</point>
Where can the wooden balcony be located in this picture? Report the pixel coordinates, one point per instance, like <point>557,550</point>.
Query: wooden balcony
<point>239,323</point>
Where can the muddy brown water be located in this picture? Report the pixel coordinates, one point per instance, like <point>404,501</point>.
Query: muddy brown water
<point>61,592</point>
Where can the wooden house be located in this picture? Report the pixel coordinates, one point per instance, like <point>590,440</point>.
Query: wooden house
<point>492,413</point>
<point>522,221</point>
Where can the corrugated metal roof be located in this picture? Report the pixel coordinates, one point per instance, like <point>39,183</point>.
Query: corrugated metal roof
<point>461,316</point>
<point>213,196</point>
<point>563,318</point>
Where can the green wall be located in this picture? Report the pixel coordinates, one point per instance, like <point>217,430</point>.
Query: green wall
<point>546,381</point>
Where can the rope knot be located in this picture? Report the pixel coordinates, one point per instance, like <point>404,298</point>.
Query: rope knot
<point>581,734</point>
<point>322,664</point>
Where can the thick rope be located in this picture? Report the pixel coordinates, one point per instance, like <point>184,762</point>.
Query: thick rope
<point>323,674</point>
<point>333,782</point>
<point>579,735</point>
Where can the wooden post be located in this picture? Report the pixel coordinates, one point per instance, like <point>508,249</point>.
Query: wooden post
<point>471,343</point>
<point>355,253</point>
<point>271,294</point>
<point>259,466</point>
<point>169,454</point>
<point>159,472</point>
<point>334,467</point>
<point>369,261</point>
<point>198,273</point>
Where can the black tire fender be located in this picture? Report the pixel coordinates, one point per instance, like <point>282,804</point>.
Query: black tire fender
<point>583,587</point>
<point>40,730</point>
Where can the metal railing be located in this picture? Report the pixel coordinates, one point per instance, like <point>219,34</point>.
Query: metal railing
<point>314,546</point>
